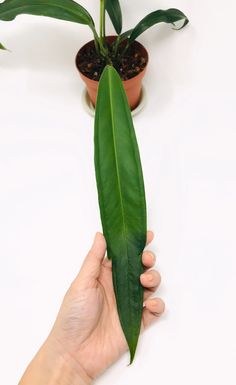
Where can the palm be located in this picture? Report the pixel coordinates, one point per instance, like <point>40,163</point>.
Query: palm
<point>92,331</point>
<point>104,342</point>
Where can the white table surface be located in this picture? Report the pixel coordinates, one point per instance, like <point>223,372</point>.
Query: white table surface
<point>48,206</point>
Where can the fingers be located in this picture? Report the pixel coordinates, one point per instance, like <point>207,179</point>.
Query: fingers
<point>150,281</point>
<point>148,259</point>
<point>98,248</point>
<point>153,309</point>
<point>92,263</point>
<point>95,258</point>
<point>155,306</point>
<point>150,236</point>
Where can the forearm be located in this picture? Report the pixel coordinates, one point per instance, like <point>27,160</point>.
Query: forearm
<point>51,368</point>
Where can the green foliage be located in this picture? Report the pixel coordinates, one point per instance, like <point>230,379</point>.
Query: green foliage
<point>170,16</point>
<point>114,11</point>
<point>71,11</point>
<point>117,162</point>
<point>121,199</point>
<point>65,10</point>
<point>2,46</point>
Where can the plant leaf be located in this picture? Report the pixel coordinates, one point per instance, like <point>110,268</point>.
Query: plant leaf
<point>121,199</point>
<point>171,16</point>
<point>2,47</point>
<point>124,36</point>
<point>120,39</point>
<point>65,10</point>
<point>114,11</point>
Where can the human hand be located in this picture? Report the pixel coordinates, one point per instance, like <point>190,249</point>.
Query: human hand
<point>87,337</point>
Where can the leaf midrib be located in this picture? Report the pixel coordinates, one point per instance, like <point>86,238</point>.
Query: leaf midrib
<point>116,161</point>
<point>119,183</point>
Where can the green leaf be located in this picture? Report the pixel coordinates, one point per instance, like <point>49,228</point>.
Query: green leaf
<point>121,199</point>
<point>120,39</point>
<point>2,47</point>
<point>123,36</point>
<point>171,16</point>
<point>65,10</point>
<point>114,11</point>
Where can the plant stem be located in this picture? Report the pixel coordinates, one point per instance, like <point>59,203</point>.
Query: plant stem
<point>116,45</point>
<point>102,22</point>
<point>125,49</point>
<point>102,18</point>
<point>99,47</point>
<point>96,39</point>
<point>99,41</point>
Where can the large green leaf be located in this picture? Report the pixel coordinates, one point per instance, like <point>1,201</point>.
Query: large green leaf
<point>114,11</point>
<point>121,199</point>
<point>171,16</point>
<point>60,9</point>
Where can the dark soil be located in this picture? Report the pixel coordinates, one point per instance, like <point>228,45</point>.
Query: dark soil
<point>128,65</point>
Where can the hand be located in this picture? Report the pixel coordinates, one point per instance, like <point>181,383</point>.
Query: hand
<point>87,337</point>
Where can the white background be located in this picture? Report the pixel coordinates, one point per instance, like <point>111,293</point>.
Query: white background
<point>48,206</point>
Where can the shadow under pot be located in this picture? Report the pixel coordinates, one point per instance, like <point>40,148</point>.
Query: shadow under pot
<point>131,67</point>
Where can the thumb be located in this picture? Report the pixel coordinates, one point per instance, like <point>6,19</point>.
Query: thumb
<point>92,264</point>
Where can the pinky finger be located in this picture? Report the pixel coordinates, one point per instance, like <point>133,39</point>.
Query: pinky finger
<point>153,309</point>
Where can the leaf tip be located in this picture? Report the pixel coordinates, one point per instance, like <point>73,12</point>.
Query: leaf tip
<point>131,359</point>
<point>3,48</point>
<point>132,351</point>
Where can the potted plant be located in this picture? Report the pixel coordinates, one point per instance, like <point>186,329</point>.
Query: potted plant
<point>120,61</point>
<point>122,51</point>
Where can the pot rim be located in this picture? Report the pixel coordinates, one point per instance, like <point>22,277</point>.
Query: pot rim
<point>123,81</point>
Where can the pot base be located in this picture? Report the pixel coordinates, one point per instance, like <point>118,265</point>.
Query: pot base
<point>89,108</point>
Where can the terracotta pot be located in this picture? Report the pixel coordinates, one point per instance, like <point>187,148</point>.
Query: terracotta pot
<point>132,86</point>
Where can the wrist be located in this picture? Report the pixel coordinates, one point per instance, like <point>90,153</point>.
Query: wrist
<point>52,367</point>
